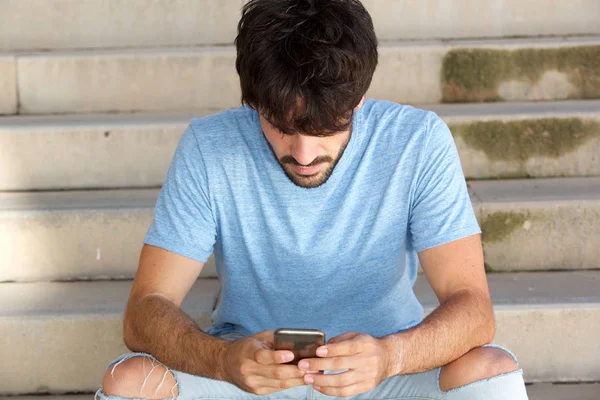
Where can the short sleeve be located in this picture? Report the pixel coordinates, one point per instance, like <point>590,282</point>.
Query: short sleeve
<point>441,209</point>
<point>183,222</point>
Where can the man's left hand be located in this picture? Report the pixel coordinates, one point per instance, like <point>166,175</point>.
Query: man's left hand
<point>367,361</point>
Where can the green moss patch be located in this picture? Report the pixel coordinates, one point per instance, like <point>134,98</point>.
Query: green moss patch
<point>475,74</point>
<point>518,141</point>
<point>499,225</point>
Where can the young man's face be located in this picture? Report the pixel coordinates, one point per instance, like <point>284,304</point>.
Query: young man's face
<point>307,160</point>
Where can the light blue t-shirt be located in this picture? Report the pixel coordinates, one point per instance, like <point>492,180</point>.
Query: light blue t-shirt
<point>340,257</point>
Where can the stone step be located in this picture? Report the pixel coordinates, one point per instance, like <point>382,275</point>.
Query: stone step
<point>74,235</point>
<point>75,327</point>
<point>8,84</point>
<point>536,391</point>
<point>541,224</point>
<point>568,391</point>
<point>172,79</point>
<point>88,151</point>
<point>140,23</point>
<point>495,140</point>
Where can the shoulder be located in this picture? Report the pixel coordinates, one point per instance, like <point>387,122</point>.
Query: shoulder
<point>390,111</point>
<point>389,121</point>
<point>223,133</point>
<point>222,126</point>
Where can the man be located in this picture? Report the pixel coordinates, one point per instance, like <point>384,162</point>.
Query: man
<point>318,206</point>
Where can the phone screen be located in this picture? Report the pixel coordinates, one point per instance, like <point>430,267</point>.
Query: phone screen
<point>302,342</point>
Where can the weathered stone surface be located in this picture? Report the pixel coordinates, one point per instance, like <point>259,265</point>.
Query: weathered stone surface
<point>184,79</point>
<point>538,391</point>
<point>76,327</point>
<point>570,391</point>
<point>539,317</point>
<point>409,72</point>
<point>527,225</point>
<point>73,331</point>
<point>8,84</point>
<point>544,350</point>
<point>526,140</point>
<point>145,23</point>
<point>88,151</point>
<point>401,19</point>
<point>530,72</point>
<point>136,80</point>
<point>78,235</point>
<point>117,23</point>
<point>495,140</point>
<point>526,148</point>
<point>541,224</point>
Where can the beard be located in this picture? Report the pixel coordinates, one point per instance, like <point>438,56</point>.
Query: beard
<point>317,179</point>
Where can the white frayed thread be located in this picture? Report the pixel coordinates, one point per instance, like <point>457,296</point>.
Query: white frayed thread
<point>143,367</point>
<point>163,381</point>
<point>146,377</point>
<point>96,394</point>
<point>146,380</point>
<point>112,372</point>
<point>173,389</point>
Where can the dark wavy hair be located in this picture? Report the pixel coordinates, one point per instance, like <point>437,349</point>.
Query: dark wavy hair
<point>305,64</point>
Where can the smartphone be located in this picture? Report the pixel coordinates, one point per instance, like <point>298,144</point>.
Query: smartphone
<point>302,342</point>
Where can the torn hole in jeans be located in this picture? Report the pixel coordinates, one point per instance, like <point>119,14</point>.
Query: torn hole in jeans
<point>149,365</point>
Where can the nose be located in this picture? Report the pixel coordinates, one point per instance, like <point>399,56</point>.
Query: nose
<point>305,149</point>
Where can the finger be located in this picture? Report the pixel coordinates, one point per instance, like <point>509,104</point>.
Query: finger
<point>268,357</point>
<point>283,384</point>
<point>329,363</point>
<point>347,347</point>
<point>264,386</point>
<point>349,378</point>
<point>344,336</point>
<point>345,391</point>
<point>280,372</point>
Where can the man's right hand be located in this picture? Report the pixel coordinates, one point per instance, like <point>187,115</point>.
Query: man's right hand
<point>252,365</point>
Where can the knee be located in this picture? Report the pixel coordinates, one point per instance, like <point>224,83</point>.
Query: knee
<point>140,377</point>
<point>478,364</point>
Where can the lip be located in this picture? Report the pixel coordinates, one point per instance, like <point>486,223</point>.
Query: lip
<point>306,171</point>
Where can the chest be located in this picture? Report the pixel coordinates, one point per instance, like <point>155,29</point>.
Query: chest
<point>298,239</point>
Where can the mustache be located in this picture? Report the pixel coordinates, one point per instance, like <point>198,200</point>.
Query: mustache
<point>319,160</point>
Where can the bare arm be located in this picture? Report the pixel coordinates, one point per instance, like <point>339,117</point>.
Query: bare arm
<point>464,320</point>
<point>154,322</point>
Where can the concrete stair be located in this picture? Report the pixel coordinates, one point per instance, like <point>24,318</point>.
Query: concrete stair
<point>541,224</point>
<point>140,23</point>
<point>101,91</point>
<point>166,79</point>
<point>537,391</point>
<point>495,140</point>
<point>8,84</point>
<point>75,327</point>
<point>549,391</point>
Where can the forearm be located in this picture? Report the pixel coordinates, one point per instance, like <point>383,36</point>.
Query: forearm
<point>157,326</point>
<point>463,322</point>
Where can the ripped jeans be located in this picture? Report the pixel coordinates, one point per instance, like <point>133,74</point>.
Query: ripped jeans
<point>422,386</point>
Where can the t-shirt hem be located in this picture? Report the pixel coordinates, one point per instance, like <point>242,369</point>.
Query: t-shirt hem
<point>177,249</point>
<point>447,238</point>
